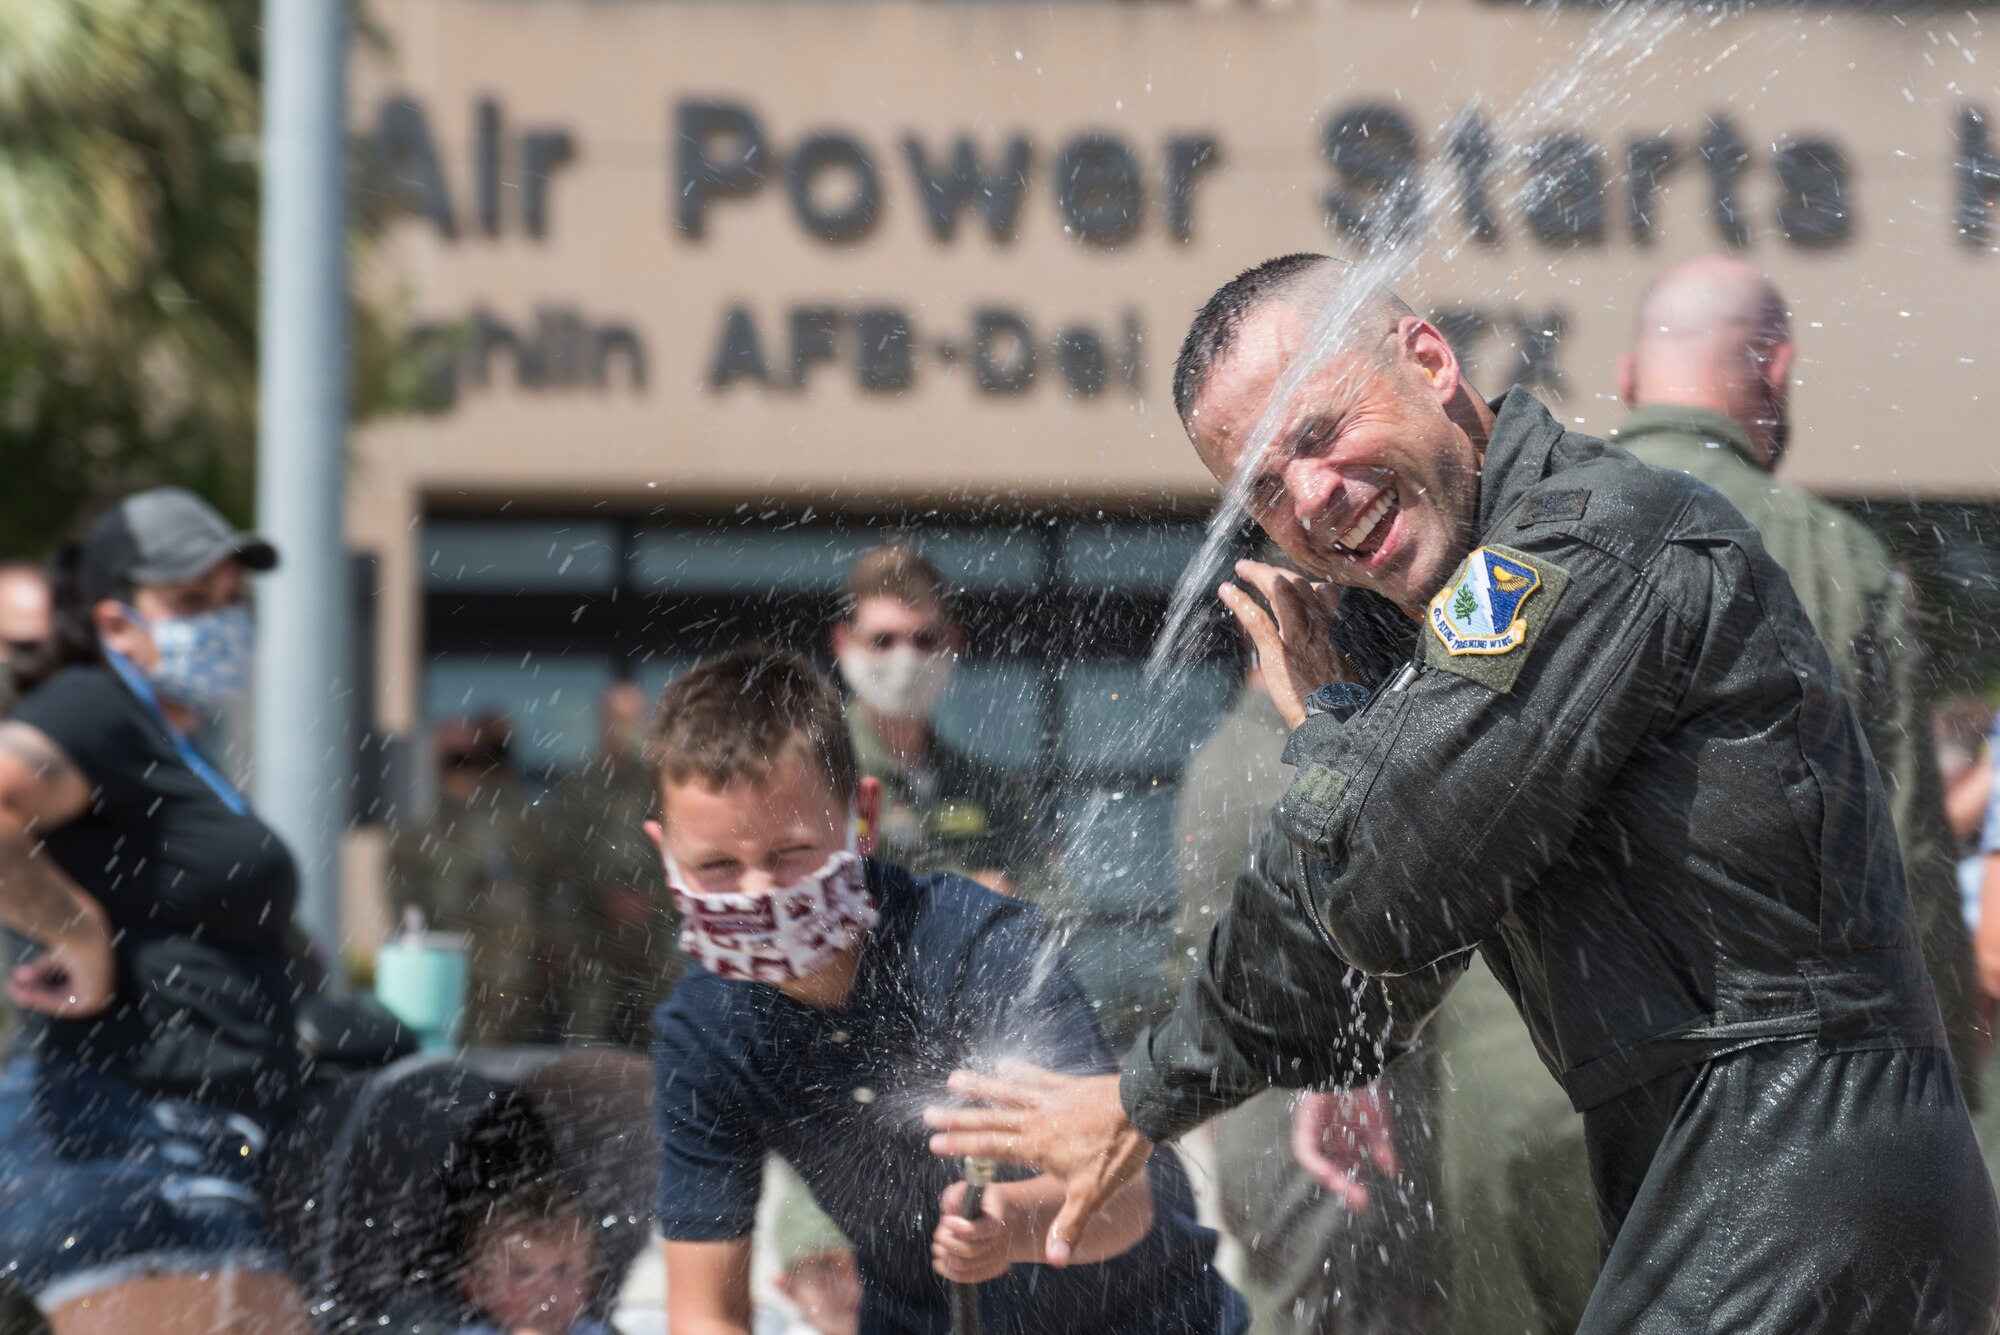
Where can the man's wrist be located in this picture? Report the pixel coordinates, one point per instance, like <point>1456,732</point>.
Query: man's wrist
<point>1149,1104</point>
<point>1342,699</point>
<point>1020,1222</point>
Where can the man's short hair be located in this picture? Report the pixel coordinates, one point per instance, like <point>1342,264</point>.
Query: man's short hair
<point>1213,333</point>
<point>1214,330</point>
<point>895,570</point>
<point>734,718</point>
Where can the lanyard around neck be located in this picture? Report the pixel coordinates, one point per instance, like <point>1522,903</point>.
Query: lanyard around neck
<point>135,681</point>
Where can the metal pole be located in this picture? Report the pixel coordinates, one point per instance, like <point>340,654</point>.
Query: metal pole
<point>303,697</point>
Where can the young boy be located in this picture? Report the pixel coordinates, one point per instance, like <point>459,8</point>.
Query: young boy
<point>831,996</point>
<point>529,1268</point>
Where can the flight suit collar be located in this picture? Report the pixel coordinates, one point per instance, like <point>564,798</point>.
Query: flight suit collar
<point>1517,454</point>
<point>1698,425</point>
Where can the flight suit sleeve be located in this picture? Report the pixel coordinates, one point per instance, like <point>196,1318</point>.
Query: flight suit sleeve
<point>1454,790</point>
<point>1269,1002</point>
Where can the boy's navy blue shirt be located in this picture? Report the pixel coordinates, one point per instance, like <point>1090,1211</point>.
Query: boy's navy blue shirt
<point>954,975</point>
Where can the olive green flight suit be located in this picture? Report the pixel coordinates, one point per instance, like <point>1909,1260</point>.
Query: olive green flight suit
<point>958,814</point>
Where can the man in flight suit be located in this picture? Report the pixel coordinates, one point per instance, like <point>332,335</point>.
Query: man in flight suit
<point>897,645</point>
<point>1707,378</point>
<point>1620,765</point>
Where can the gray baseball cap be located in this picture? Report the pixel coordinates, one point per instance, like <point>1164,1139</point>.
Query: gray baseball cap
<point>164,536</point>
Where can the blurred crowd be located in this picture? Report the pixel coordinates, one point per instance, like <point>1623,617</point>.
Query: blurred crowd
<point>1465,1161</point>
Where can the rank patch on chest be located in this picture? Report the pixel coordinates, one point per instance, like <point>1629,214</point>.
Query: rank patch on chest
<point>1554,507</point>
<point>1479,609</point>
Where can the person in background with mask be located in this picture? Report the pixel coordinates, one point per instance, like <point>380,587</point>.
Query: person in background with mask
<point>159,1061</point>
<point>896,646</point>
<point>24,629</point>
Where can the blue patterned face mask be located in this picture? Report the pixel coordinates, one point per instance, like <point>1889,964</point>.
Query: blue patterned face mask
<point>204,659</point>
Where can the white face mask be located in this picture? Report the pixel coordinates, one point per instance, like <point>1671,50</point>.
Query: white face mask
<point>900,683</point>
<point>204,657</point>
<point>780,935</point>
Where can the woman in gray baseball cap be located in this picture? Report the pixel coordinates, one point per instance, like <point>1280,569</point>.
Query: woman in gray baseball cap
<point>157,1061</point>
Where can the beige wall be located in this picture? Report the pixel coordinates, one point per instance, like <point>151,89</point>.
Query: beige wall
<point>1893,325</point>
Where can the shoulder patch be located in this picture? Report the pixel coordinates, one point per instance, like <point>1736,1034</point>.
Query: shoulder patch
<point>1554,507</point>
<point>1484,622</point>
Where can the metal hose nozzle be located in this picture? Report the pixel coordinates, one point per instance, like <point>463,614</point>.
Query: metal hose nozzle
<point>976,1173</point>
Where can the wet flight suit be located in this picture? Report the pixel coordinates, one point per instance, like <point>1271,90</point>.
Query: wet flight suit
<point>1621,766</point>
<point>1864,612</point>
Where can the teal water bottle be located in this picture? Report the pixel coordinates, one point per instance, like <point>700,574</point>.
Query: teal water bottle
<point>421,977</point>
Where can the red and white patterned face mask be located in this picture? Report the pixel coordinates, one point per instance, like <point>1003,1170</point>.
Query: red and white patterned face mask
<point>778,935</point>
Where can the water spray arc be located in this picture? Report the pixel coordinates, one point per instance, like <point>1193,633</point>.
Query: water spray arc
<point>1621,54</point>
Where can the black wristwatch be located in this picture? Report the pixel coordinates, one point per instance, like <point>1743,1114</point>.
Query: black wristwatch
<point>1342,699</point>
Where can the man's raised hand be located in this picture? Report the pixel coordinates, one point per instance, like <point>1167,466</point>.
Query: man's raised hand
<point>1293,631</point>
<point>1071,1127</point>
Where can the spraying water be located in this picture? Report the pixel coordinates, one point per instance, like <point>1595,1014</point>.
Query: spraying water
<point>1603,70</point>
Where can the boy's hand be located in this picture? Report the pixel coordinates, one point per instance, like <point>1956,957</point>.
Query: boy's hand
<point>1071,1127</point>
<point>972,1251</point>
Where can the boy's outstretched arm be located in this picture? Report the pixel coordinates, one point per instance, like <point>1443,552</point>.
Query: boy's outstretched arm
<point>1015,1219</point>
<point>708,1287</point>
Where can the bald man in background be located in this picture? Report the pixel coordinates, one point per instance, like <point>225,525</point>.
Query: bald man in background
<point>1708,379</point>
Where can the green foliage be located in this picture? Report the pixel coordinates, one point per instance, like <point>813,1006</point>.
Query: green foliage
<point>1466,603</point>
<point>128,258</point>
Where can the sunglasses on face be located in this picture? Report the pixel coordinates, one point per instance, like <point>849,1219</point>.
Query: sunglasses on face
<point>925,641</point>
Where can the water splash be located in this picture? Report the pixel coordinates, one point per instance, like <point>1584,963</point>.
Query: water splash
<point>1603,71</point>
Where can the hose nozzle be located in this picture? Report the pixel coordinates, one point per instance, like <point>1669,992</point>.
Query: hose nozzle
<point>977,1174</point>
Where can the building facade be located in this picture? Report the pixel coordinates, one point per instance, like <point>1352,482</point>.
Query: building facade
<point>711,295</point>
